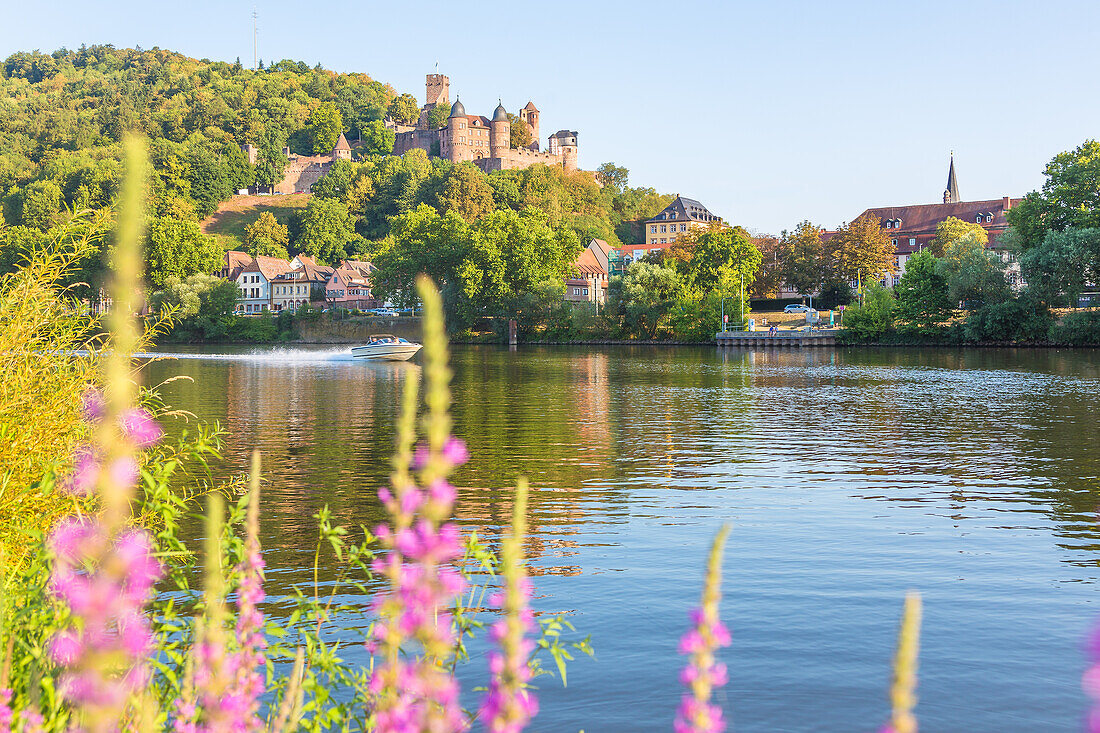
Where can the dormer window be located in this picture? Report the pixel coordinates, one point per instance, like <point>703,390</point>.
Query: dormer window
<point>988,218</point>
<point>889,223</point>
<point>978,219</point>
<point>897,223</point>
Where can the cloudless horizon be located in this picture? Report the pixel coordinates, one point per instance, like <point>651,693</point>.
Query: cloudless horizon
<point>768,113</point>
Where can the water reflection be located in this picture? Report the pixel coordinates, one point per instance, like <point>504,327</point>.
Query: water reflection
<point>850,475</point>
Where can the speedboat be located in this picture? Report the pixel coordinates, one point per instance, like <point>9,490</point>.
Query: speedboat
<point>386,347</point>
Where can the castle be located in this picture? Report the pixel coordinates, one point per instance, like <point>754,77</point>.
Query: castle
<point>302,171</point>
<point>485,142</point>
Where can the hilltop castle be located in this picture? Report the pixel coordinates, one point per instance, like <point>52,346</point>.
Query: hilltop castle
<point>475,138</point>
<point>302,171</point>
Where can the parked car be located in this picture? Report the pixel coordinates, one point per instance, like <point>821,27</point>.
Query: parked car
<point>797,308</point>
<point>385,312</point>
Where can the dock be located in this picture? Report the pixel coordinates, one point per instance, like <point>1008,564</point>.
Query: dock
<point>781,340</point>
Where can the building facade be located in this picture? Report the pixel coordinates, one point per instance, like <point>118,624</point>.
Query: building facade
<point>482,140</point>
<point>679,217</point>
<point>304,283</point>
<point>349,285</point>
<point>588,281</point>
<point>254,281</point>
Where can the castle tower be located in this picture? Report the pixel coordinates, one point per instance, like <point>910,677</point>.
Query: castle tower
<point>458,145</point>
<point>342,151</point>
<point>530,115</point>
<point>951,193</point>
<point>437,90</point>
<point>564,143</point>
<point>500,133</point>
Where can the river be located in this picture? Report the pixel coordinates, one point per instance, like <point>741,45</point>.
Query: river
<point>848,476</point>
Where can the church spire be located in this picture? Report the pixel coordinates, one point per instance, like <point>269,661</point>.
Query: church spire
<point>951,193</point>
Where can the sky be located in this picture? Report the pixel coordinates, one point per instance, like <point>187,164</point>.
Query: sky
<point>769,113</point>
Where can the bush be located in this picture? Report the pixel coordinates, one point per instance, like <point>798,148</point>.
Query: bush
<point>873,319</point>
<point>1022,319</point>
<point>1078,329</point>
<point>257,329</point>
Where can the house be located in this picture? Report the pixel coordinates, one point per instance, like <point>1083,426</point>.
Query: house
<point>349,285</point>
<point>234,262</point>
<point>305,281</point>
<point>588,283</point>
<point>912,228</point>
<point>255,281</point>
<point>679,217</point>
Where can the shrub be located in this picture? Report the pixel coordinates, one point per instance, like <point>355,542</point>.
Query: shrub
<point>1020,319</point>
<point>873,319</point>
<point>1081,328</point>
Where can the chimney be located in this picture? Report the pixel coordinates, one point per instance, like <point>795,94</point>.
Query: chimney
<point>1007,204</point>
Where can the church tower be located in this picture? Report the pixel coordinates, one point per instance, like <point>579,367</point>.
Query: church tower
<point>951,193</point>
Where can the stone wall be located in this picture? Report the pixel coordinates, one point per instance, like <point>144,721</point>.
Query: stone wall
<point>302,172</point>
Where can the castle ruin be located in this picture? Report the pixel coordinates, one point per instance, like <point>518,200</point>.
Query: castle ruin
<point>486,142</point>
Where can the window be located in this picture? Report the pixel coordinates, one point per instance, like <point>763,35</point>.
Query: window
<point>889,223</point>
<point>663,240</point>
<point>988,218</point>
<point>897,223</point>
<point>663,229</point>
<point>683,227</point>
<point>894,242</point>
<point>653,240</point>
<point>912,242</point>
<point>653,229</point>
<point>586,291</point>
<point>978,219</point>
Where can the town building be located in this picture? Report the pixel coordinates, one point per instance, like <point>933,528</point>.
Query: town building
<point>588,281</point>
<point>254,281</point>
<point>484,141</point>
<point>349,285</point>
<point>302,171</point>
<point>679,217</point>
<point>913,227</point>
<point>302,284</point>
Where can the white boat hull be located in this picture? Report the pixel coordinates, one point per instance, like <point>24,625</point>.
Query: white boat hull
<point>386,352</point>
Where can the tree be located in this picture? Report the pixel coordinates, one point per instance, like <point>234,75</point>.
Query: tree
<point>41,204</point>
<point>378,139</point>
<point>975,275</point>
<point>951,230</point>
<point>613,177</point>
<point>325,126</point>
<point>437,117</point>
<point>862,251</point>
<point>1070,197</point>
<point>769,278</point>
<point>267,237</point>
<point>1062,264</point>
<point>179,248</point>
<point>723,259</point>
<point>326,230</point>
<point>875,317</point>
<point>921,294</point>
<point>202,304</point>
<point>803,258</point>
<point>270,159</point>
<point>404,109</point>
<point>519,133</point>
<point>466,192</point>
<point>647,294</point>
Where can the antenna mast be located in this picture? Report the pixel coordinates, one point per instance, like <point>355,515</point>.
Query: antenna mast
<point>255,54</point>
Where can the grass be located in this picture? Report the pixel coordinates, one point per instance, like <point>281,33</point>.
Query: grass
<point>228,223</point>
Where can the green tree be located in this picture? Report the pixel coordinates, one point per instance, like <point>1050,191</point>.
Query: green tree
<point>519,134</point>
<point>326,230</point>
<point>862,251</point>
<point>404,109</point>
<point>875,317</point>
<point>803,266</point>
<point>1070,197</point>
<point>1062,264</point>
<point>975,275</point>
<point>647,294</point>
<point>613,177</point>
<point>437,117</point>
<point>921,295</point>
<point>41,204</point>
<point>325,126</point>
<point>179,248</point>
<point>270,159</point>
<point>378,139</point>
<point>267,237</point>
<point>720,258</point>
<point>465,191</point>
<point>951,230</point>
<point>202,304</point>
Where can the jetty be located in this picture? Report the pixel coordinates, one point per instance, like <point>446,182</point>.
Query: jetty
<point>779,340</point>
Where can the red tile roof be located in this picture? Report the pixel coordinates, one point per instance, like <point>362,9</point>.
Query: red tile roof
<point>587,264</point>
<point>918,222</point>
<point>269,267</point>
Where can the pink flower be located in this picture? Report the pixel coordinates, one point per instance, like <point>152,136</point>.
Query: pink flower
<point>93,406</point>
<point>82,481</point>
<point>454,452</point>
<point>140,427</point>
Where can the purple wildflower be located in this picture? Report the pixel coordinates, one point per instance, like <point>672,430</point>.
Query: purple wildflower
<point>140,427</point>
<point>93,406</point>
<point>454,452</point>
<point>85,475</point>
<point>702,640</point>
<point>5,710</point>
<point>250,660</point>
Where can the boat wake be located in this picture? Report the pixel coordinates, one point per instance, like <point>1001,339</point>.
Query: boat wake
<point>275,356</point>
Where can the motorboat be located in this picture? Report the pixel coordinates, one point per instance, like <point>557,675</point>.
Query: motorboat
<point>386,347</point>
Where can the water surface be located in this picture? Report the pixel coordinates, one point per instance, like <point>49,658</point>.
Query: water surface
<point>848,476</point>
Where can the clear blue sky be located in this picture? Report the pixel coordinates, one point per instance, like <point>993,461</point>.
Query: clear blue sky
<point>768,112</point>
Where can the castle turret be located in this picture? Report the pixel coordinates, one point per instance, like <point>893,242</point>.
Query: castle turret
<point>564,143</point>
<point>530,115</point>
<point>437,90</point>
<point>342,151</point>
<point>500,133</point>
<point>458,145</point>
